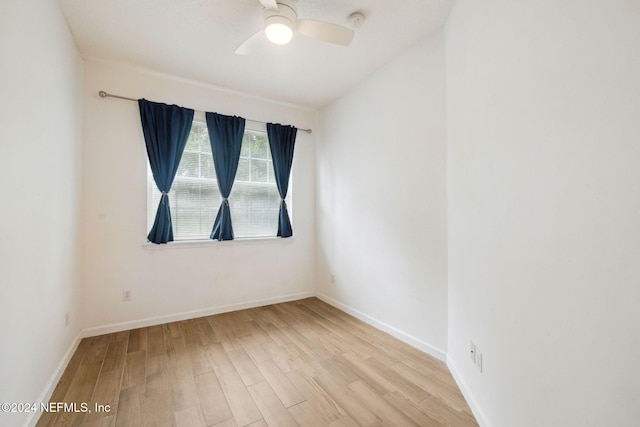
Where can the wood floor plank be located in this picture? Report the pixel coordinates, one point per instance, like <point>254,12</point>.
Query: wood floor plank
<point>80,391</point>
<point>177,353</point>
<point>410,409</point>
<point>191,417</point>
<point>158,404</point>
<point>274,318</point>
<point>237,322</point>
<point>207,334</point>
<point>327,346</point>
<point>339,370</point>
<point>183,387</point>
<point>137,340</point>
<point>446,415</point>
<point>214,404</point>
<point>382,378</point>
<point>158,409</point>
<point>273,411</point>
<point>171,330</point>
<point>108,421</point>
<point>306,319</point>
<point>435,370</point>
<point>47,419</point>
<point>397,381</point>
<point>135,367</point>
<point>280,383</point>
<point>242,405</point>
<point>304,414</point>
<point>285,311</point>
<point>385,353</point>
<point>61,389</point>
<point>220,359</point>
<point>347,401</point>
<point>156,365</point>
<point>279,337</point>
<point>358,345</point>
<point>286,359</point>
<point>258,334</point>
<point>190,333</point>
<point>131,407</point>
<point>263,323</point>
<point>221,327</point>
<point>122,336</point>
<point>379,406</point>
<point>344,422</point>
<point>155,340</point>
<point>227,423</point>
<point>292,335</point>
<point>318,399</point>
<point>106,393</point>
<point>245,367</point>
<point>97,349</point>
<point>84,382</point>
<point>254,348</point>
<point>199,358</point>
<point>116,353</point>
<point>295,363</point>
<point>434,387</point>
<point>419,361</point>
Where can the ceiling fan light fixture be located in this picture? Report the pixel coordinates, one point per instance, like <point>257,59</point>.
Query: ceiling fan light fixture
<point>281,20</point>
<point>278,29</point>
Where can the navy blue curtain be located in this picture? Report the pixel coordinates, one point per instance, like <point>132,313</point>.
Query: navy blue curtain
<point>225,136</point>
<point>166,130</point>
<point>282,140</point>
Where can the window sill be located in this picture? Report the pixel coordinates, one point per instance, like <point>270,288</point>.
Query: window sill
<point>204,243</point>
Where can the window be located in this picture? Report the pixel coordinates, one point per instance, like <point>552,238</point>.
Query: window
<point>194,197</point>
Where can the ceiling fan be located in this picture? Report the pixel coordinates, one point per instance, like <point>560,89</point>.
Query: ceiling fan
<point>281,21</point>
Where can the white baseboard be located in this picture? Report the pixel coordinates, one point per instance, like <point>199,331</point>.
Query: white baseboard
<point>151,321</point>
<point>402,336</point>
<point>481,418</point>
<point>53,381</point>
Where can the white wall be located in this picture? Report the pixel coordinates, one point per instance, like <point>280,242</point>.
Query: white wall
<point>40,95</point>
<point>544,209</point>
<point>168,282</point>
<point>381,199</point>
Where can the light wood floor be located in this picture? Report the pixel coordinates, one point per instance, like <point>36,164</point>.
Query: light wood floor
<point>299,363</point>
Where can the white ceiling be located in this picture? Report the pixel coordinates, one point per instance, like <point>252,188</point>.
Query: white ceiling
<point>196,39</point>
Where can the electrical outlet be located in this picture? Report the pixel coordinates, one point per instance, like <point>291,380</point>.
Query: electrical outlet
<point>67,319</point>
<point>126,295</point>
<point>475,355</point>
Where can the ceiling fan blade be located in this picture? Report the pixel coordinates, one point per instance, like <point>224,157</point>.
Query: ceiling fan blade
<point>251,43</point>
<point>325,31</point>
<point>269,4</point>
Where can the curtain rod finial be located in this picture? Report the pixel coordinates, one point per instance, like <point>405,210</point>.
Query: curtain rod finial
<point>103,94</point>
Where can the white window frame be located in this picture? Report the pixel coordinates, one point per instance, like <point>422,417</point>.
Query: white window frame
<point>152,205</point>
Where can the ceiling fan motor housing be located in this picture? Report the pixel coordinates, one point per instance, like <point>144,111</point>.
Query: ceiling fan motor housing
<point>286,15</point>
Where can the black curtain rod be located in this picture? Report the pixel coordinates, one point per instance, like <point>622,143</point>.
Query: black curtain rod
<point>104,94</point>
